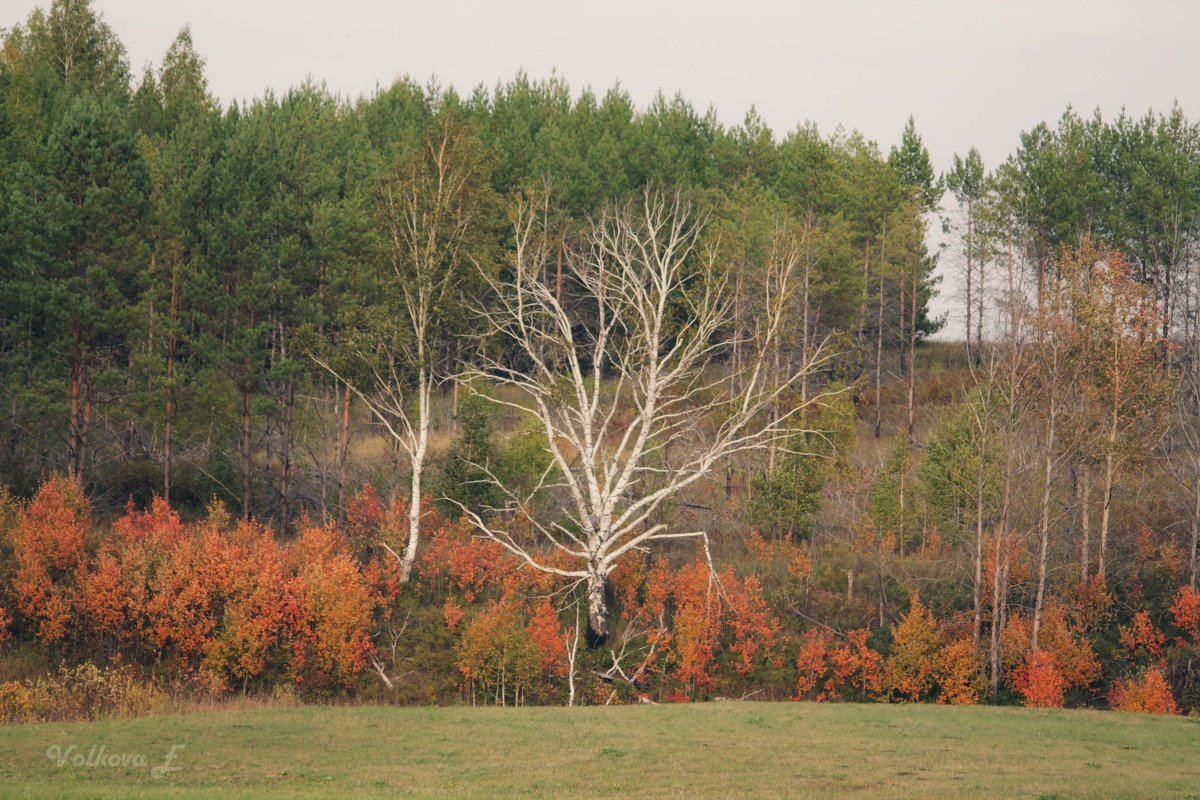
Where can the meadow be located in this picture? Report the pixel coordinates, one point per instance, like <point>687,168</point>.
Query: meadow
<point>720,749</point>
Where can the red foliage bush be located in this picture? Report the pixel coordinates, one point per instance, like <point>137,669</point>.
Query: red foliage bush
<point>1140,638</point>
<point>217,601</point>
<point>912,658</point>
<point>48,554</point>
<point>959,672</point>
<point>1148,694</point>
<point>1186,613</point>
<point>1040,681</point>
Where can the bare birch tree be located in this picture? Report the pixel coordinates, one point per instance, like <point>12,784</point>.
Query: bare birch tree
<point>428,207</point>
<point>629,381</point>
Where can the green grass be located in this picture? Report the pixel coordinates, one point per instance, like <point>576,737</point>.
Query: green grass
<point>716,750</point>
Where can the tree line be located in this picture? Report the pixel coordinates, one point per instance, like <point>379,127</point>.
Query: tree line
<point>671,372</point>
<point>176,269</point>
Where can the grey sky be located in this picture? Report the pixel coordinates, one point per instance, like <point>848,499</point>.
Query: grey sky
<point>972,73</point>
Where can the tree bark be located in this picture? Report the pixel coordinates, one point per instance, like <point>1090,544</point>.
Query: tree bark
<point>1044,522</point>
<point>343,450</point>
<point>1085,555</point>
<point>285,454</point>
<point>879,367</point>
<point>1110,469</point>
<point>245,440</point>
<point>597,633</point>
<point>912,355</point>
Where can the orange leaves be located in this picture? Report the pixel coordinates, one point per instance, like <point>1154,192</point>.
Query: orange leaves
<point>217,602</point>
<point>332,619</point>
<point>1186,613</point>
<point>1039,681</point>
<point>829,669</point>
<point>697,624</point>
<point>160,524</point>
<point>1064,658</point>
<point>909,670</point>
<point>1148,694</point>
<point>931,662</point>
<point>923,663</point>
<point>104,596</point>
<point>54,524</point>
<point>812,666</point>
<point>48,550</point>
<point>1140,638</point>
<point>1093,602</point>
<point>497,656</point>
<point>959,673</point>
<point>548,637</point>
<point>755,628</point>
<point>453,613</point>
<point>469,564</point>
<point>705,607</point>
<point>1073,652</point>
<point>5,621</point>
<point>689,617</point>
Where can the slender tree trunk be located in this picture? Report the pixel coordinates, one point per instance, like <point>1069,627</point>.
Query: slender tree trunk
<point>901,356</point>
<point>879,367</point>
<point>912,355</point>
<point>343,450</point>
<point>73,428</point>
<point>1195,522</point>
<point>979,293</point>
<point>168,424</point>
<point>999,609</point>
<point>84,428</point>
<point>774,411</point>
<point>285,454</point>
<point>861,340</point>
<point>1044,523</point>
<point>558,269</point>
<point>1110,469</point>
<point>245,442</point>
<point>417,464</point>
<point>979,488</point>
<point>970,274</point>
<point>1085,555</point>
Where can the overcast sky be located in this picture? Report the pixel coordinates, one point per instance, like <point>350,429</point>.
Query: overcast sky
<point>971,72</point>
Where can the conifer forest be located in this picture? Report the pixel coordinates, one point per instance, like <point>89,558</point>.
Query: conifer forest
<point>532,394</point>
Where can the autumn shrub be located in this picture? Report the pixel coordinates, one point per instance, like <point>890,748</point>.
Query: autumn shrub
<point>1064,658</point>
<point>1148,693</point>
<point>959,672</point>
<point>1141,640</point>
<point>1185,612</point>
<point>909,671</point>
<point>16,703</point>
<point>1040,680</point>
<point>5,622</point>
<point>48,555</point>
<point>498,659</point>
<point>219,603</point>
<point>331,608</point>
<point>83,692</point>
<point>696,626</point>
<point>829,668</point>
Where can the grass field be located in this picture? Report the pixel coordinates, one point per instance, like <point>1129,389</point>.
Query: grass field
<point>716,750</point>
